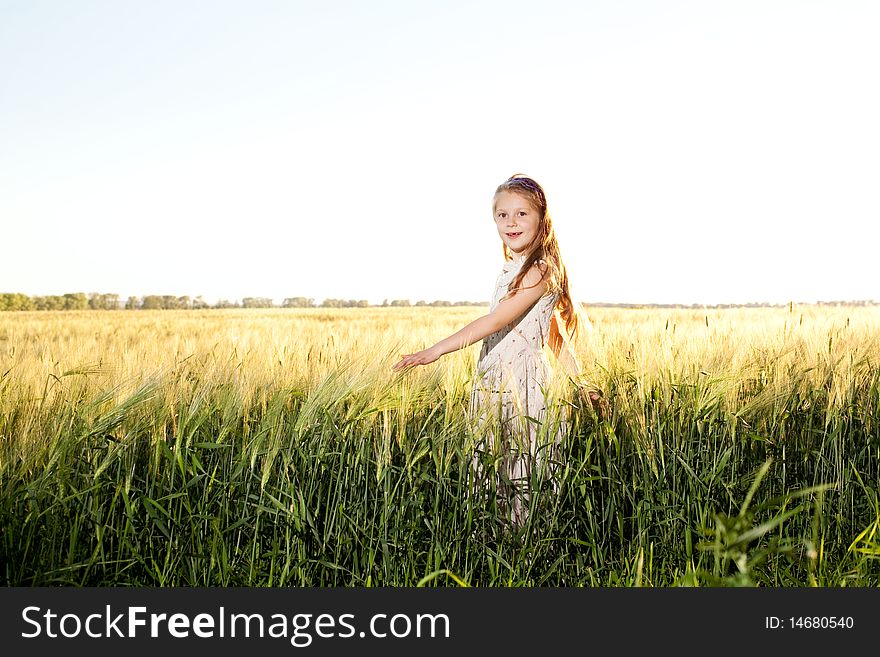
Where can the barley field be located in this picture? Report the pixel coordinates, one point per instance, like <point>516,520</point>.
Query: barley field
<point>275,447</point>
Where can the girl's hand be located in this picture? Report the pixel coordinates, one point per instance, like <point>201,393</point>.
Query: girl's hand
<point>590,394</point>
<point>422,357</point>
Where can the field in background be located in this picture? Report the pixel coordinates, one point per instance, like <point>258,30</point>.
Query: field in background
<point>277,447</point>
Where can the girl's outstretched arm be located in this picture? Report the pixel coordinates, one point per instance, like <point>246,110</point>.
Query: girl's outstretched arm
<point>534,287</point>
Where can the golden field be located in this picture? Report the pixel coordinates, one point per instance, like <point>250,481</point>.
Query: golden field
<point>724,422</point>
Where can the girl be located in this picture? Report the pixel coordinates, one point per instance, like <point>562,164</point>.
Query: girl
<point>531,308</point>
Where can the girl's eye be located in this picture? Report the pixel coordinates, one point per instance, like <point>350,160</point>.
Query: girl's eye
<point>522,212</point>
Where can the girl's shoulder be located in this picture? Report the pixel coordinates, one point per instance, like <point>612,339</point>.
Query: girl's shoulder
<point>536,274</point>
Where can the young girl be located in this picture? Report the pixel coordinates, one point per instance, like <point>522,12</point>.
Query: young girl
<point>531,308</point>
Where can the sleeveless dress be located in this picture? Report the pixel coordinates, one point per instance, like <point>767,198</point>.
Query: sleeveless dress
<point>508,402</point>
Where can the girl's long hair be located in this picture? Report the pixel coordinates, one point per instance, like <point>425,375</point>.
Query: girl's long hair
<point>543,247</point>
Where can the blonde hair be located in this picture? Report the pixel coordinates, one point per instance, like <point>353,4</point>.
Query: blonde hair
<point>544,247</point>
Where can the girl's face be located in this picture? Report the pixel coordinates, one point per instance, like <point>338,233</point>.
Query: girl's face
<point>517,221</point>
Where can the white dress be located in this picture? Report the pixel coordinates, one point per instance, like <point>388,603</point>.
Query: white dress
<point>508,403</point>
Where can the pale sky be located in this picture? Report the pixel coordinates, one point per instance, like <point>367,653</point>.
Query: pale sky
<point>692,152</point>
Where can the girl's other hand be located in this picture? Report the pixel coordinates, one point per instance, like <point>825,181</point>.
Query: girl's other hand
<point>595,397</point>
<point>422,357</point>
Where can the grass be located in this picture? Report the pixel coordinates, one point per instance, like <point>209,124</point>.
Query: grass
<point>277,448</point>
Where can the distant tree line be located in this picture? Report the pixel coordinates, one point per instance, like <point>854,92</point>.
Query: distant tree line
<point>750,304</point>
<point>70,301</point>
<point>102,301</point>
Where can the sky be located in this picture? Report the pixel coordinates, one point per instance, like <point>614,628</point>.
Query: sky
<point>691,152</point>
